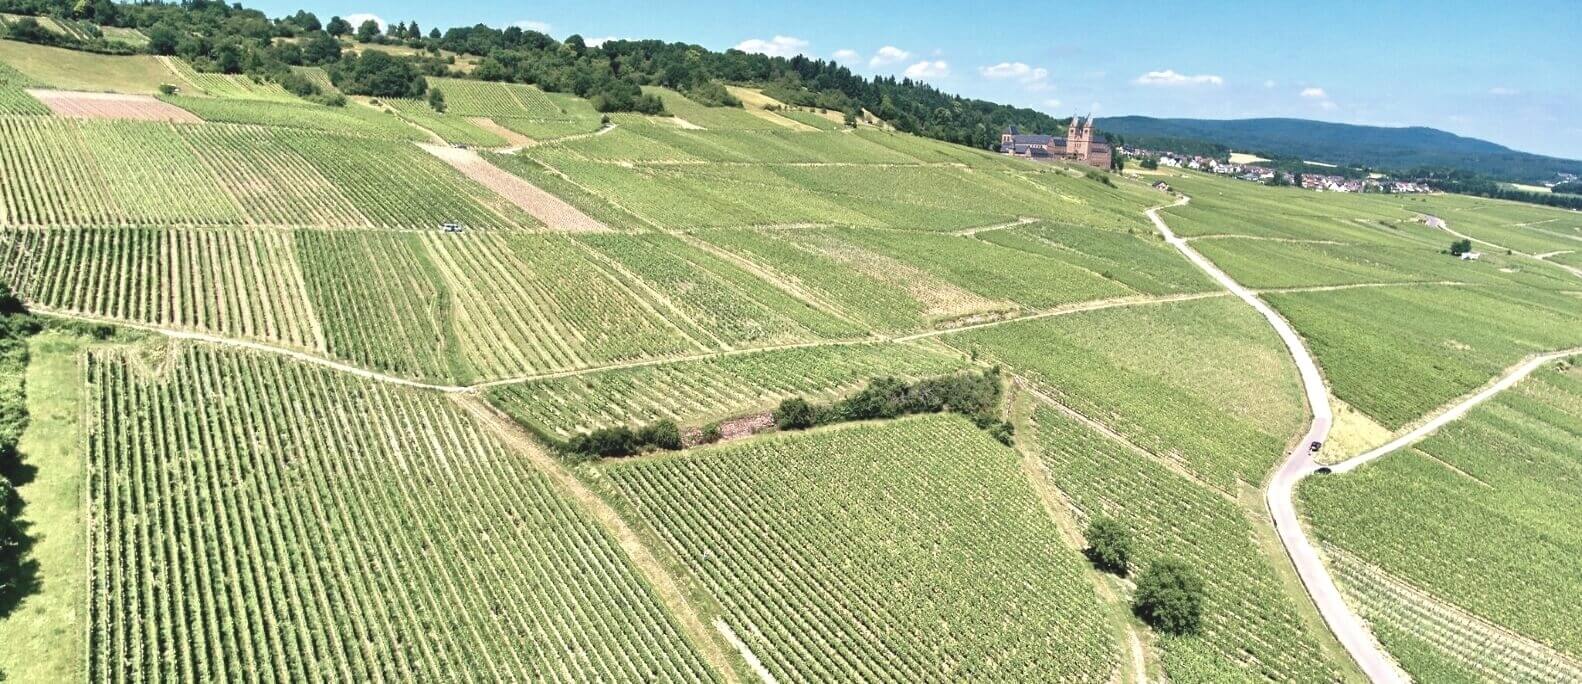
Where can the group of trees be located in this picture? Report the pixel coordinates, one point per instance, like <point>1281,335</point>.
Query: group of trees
<point>216,36</point>
<point>17,570</point>
<point>1468,183</point>
<point>1460,247</point>
<point>975,395</point>
<point>1169,594</point>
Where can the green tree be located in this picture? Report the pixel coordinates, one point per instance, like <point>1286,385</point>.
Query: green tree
<point>1460,247</point>
<point>436,99</point>
<point>1170,597</point>
<point>663,434</point>
<point>320,48</point>
<point>163,39</point>
<point>338,27</point>
<point>367,31</point>
<point>1109,545</point>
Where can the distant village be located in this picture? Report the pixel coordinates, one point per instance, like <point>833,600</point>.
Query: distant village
<point>1262,174</point>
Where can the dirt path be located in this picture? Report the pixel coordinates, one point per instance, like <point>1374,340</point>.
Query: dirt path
<point>1346,626</point>
<point>1080,307</point>
<point>666,588</point>
<point>1021,221</point>
<point>1436,222</point>
<point>515,140</point>
<point>1455,411</point>
<point>747,654</point>
<point>1354,286</point>
<point>552,211</point>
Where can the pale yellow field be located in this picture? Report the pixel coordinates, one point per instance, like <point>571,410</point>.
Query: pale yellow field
<point>1244,158</point>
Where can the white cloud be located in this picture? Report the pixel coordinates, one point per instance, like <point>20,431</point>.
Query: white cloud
<point>846,55</point>
<point>778,46</point>
<point>888,54</point>
<point>596,42</point>
<point>1034,78</point>
<point>928,69</point>
<point>1169,77</point>
<point>357,20</point>
<point>1270,83</point>
<point>530,25</point>
<point>1314,94</point>
<point>1503,91</point>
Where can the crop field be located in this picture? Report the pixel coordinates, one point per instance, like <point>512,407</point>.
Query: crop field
<point>1139,261</point>
<point>1250,627</point>
<point>1521,227</point>
<point>14,99</point>
<point>693,393</point>
<point>724,303</point>
<point>1204,384</point>
<point>1397,353</point>
<point>1228,207</point>
<point>450,127</point>
<point>1435,642</point>
<point>476,307</point>
<point>251,517</point>
<point>860,553</point>
<point>486,99</point>
<point>354,119</point>
<point>234,86</point>
<point>225,281</point>
<point>1481,514</point>
<point>136,173</point>
<point>714,118</point>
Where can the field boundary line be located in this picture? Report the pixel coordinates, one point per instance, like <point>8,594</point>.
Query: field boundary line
<point>1436,222</point>
<point>747,653</point>
<point>1020,221</point>
<point>1065,310</point>
<point>1344,624</point>
<point>665,587</point>
<point>1031,388</point>
<point>1456,410</point>
<point>264,347</point>
<point>1358,286</point>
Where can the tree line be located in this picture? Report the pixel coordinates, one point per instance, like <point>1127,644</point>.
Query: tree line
<point>18,571</point>
<point>229,38</point>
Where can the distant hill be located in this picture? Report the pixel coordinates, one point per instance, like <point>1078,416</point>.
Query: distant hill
<point>1375,146</point>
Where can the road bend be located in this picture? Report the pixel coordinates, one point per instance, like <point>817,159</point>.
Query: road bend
<point>1347,627</point>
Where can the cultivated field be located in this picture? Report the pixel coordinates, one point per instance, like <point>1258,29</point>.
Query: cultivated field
<point>110,106</point>
<point>910,551</point>
<point>1480,514</point>
<point>252,517</point>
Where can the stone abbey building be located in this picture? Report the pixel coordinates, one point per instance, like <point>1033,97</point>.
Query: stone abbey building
<point>1078,145</point>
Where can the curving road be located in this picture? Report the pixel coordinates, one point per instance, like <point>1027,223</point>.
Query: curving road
<point>1348,628</point>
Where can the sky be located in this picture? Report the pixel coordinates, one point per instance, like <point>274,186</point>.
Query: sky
<point>1509,72</point>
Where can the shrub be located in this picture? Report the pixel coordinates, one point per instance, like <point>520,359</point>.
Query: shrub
<point>663,434</point>
<point>436,100</point>
<point>1170,597</point>
<point>1109,545</point>
<point>167,89</point>
<point>710,434</point>
<point>795,414</point>
<point>615,441</point>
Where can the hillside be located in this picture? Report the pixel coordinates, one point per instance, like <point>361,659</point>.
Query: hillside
<point>1396,149</point>
<point>495,386</point>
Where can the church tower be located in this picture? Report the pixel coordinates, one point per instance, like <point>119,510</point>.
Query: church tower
<point>1079,138</point>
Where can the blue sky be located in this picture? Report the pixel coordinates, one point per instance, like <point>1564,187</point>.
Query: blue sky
<point>1508,72</point>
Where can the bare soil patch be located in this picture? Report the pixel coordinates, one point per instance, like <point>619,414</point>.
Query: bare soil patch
<point>735,428</point>
<point>554,212</point>
<point>111,106</point>
<point>512,138</point>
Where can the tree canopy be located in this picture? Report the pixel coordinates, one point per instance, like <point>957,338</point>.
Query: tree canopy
<point>1170,597</point>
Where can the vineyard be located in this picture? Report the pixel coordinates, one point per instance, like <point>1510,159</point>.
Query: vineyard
<point>253,518</point>
<point>1446,514</point>
<point>1397,353</point>
<point>242,284</point>
<point>1204,383</point>
<point>136,173</point>
<point>908,551</point>
<point>14,99</point>
<point>353,119</point>
<point>1250,626</point>
<point>1435,642</point>
<point>696,392</point>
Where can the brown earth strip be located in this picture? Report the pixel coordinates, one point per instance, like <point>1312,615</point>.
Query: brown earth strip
<point>111,106</point>
<point>554,212</point>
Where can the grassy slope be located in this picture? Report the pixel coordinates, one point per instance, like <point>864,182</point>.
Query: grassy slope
<point>73,70</point>
<point>41,641</point>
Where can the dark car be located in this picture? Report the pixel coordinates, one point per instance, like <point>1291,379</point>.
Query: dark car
<point>1314,447</point>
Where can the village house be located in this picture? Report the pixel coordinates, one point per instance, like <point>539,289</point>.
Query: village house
<point>1077,145</point>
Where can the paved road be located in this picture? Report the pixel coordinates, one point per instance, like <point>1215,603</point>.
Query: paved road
<point>1348,629</point>
<point>1455,412</point>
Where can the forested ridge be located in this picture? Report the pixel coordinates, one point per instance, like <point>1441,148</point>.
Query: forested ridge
<point>215,36</point>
